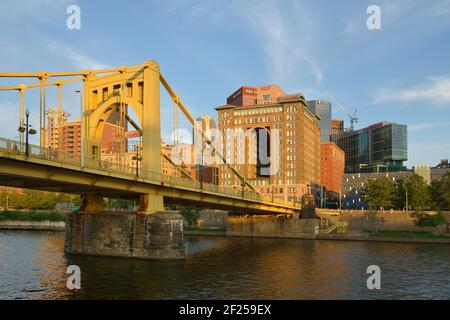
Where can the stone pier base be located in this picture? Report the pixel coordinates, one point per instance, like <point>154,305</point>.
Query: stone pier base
<point>119,234</point>
<point>262,227</point>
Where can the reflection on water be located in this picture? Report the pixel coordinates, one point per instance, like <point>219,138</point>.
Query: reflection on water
<point>33,265</point>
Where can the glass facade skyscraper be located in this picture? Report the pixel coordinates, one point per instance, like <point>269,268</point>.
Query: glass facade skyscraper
<point>378,148</point>
<point>323,110</point>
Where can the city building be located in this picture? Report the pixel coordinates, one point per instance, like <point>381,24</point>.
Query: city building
<point>424,171</point>
<point>70,137</point>
<point>337,129</point>
<point>205,168</point>
<point>323,110</point>
<point>332,161</point>
<point>54,118</point>
<point>353,186</point>
<point>206,123</point>
<point>205,174</point>
<point>377,148</point>
<point>64,135</point>
<point>208,126</point>
<point>284,130</point>
<point>256,95</point>
<point>441,169</point>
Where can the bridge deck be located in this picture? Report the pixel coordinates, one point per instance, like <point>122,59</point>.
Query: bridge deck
<point>61,172</point>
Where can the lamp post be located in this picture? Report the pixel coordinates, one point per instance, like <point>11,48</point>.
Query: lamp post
<point>137,158</point>
<point>82,127</point>
<point>27,130</point>
<point>200,168</point>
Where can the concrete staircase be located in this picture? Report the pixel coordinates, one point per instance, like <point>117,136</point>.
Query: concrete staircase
<point>330,222</point>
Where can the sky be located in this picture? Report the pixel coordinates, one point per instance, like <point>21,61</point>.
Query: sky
<point>208,49</point>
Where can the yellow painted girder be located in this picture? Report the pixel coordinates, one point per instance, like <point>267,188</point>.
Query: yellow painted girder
<point>85,73</point>
<point>42,170</point>
<point>191,119</point>
<point>40,84</point>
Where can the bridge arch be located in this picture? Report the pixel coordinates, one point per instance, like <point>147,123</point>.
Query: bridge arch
<point>100,115</point>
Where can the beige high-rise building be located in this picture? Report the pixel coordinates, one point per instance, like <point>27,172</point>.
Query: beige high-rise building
<point>53,130</point>
<point>424,171</point>
<point>299,147</point>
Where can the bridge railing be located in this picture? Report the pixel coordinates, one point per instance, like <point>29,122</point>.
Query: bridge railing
<point>16,148</point>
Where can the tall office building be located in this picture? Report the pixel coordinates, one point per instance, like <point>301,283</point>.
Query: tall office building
<point>255,95</point>
<point>323,110</point>
<point>206,123</point>
<point>52,132</point>
<point>337,129</point>
<point>377,148</point>
<point>205,169</point>
<point>297,148</point>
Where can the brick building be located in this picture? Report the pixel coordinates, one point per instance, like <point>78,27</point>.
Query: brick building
<point>332,163</point>
<point>298,140</point>
<point>259,95</point>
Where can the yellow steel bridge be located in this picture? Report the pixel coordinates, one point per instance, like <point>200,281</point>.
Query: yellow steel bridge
<point>104,91</point>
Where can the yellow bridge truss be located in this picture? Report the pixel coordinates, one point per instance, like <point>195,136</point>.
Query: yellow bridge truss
<point>105,91</point>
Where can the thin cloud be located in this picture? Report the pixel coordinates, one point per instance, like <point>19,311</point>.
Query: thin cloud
<point>423,126</point>
<point>285,30</point>
<point>78,59</point>
<point>287,41</point>
<point>436,90</point>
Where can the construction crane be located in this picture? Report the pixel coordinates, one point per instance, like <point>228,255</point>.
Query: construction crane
<point>353,118</point>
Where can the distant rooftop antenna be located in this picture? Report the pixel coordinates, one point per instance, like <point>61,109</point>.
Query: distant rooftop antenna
<point>353,118</point>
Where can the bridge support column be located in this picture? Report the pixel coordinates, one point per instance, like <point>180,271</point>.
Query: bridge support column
<point>92,203</point>
<point>151,203</point>
<point>150,233</point>
<point>125,234</point>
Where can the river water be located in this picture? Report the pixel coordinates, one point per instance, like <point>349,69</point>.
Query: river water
<point>33,266</point>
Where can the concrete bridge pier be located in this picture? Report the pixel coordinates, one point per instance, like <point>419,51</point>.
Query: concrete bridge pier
<point>144,234</point>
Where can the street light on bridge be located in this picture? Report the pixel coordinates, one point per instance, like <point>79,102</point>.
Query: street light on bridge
<point>81,126</point>
<point>28,129</point>
<point>137,158</point>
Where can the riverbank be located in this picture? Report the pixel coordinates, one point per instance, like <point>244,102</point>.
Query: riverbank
<point>31,220</point>
<point>33,225</point>
<point>412,238</point>
<point>381,236</point>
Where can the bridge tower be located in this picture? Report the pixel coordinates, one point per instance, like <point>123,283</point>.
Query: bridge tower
<point>129,87</point>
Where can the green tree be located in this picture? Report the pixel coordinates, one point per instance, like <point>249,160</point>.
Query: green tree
<point>400,194</point>
<point>379,193</point>
<point>439,191</point>
<point>190,214</point>
<point>36,200</point>
<point>5,199</point>
<point>418,193</point>
<point>424,220</point>
<point>119,203</point>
